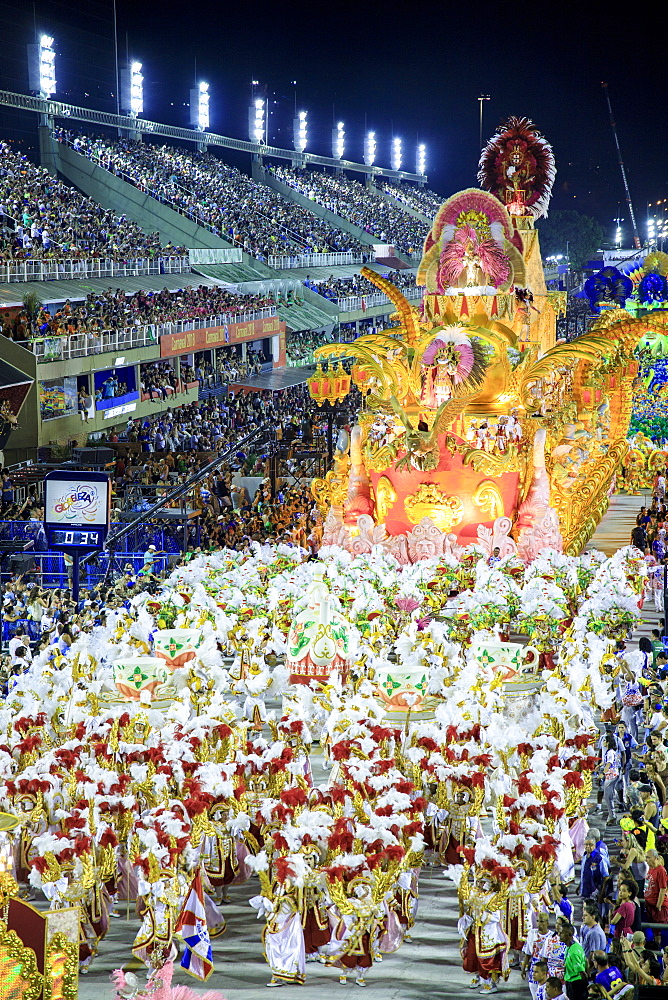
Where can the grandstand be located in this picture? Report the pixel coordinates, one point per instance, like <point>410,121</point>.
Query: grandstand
<point>364,207</point>
<point>417,199</point>
<point>230,204</point>
<point>41,218</point>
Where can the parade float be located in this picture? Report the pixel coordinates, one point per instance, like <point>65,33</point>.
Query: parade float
<point>477,426</point>
<point>640,286</point>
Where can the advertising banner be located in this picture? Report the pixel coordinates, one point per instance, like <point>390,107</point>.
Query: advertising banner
<point>76,499</point>
<point>219,336</point>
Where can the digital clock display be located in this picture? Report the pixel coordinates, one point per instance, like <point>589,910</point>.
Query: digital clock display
<point>85,537</point>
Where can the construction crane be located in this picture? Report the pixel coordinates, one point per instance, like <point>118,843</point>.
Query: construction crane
<point>636,237</point>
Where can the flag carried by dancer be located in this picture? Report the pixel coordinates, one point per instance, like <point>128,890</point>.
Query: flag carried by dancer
<point>192,926</point>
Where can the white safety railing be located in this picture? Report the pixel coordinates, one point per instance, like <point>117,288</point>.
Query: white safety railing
<point>355,303</point>
<point>280,261</point>
<point>205,255</point>
<point>179,326</point>
<point>82,344</point>
<point>89,267</point>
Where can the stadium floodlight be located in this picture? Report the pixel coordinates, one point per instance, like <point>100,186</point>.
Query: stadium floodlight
<point>199,107</point>
<point>47,66</point>
<point>421,159</point>
<point>338,141</point>
<point>136,89</point>
<point>300,132</point>
<point>203,106</point>
<point>396,153</point>
<point>370,149</point>
<point>132,89</point>
<point>42,66</point>
<point>256,120</point>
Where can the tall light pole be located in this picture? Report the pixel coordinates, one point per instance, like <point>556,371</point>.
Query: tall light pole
<point>300,131</point>
<point>483,97</point>
<point>618,231</point>
<point>396,153</point>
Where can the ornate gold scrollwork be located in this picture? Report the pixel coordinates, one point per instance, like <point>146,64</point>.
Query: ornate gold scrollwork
<point>428,501</point>
<point>385,497</point>
<point>582,506</point>
<point>494,465</point>
<point>328,491</point>
<point>488,497</point>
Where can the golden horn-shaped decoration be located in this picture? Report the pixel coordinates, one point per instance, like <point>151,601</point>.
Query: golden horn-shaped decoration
<point>394,295</point>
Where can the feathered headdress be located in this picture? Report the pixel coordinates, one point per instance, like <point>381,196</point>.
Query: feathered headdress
<point>517,157</point>
<point>467,352</point>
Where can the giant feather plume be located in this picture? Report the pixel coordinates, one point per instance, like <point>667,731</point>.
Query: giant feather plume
<point>495,169</point>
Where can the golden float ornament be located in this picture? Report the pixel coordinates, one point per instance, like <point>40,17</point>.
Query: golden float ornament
<point>477,426</point>
<point>428,501</point>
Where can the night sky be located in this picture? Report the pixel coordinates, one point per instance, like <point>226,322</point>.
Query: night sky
<point>413,70</point>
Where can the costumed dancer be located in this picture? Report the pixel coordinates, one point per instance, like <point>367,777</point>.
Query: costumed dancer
<point>222,855</point>
<point>484,946</point>
<point>354,945</point>
<point>283,934</point>
<point>458,826</point>
<point>314,913</point>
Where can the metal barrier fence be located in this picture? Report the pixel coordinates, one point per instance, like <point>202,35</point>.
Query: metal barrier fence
<point>54,270</point>
<point>22,626</point>
<point>82,344</point>
<point>280,261</point>
<point>51,573</point>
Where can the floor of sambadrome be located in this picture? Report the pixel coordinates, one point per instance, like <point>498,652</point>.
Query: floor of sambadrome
<point>428,965</point>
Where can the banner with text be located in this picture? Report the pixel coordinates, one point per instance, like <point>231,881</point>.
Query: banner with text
<point>219,336</point>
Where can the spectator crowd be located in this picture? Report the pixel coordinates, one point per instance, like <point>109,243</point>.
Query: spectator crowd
<point>229,203</point>
<point>114,310</point>
<point>42,217</point>
<point>360,205</point>
<point>419,199</point>
<point>340,288</point>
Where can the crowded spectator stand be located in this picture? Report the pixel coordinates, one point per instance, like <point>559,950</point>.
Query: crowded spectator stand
<point>232,205</point>
<point>42,218</point>
<point>100,312</point>
<point>358,204</point>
